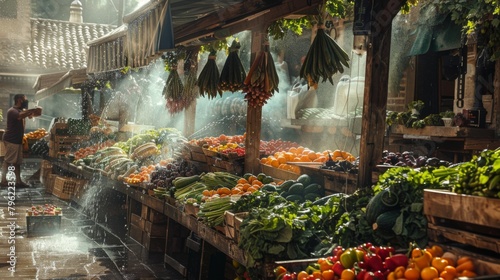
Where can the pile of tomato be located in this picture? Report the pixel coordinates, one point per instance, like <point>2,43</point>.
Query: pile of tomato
<point>369,262</point>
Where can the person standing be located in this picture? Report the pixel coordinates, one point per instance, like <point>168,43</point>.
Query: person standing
<point>13,140</point>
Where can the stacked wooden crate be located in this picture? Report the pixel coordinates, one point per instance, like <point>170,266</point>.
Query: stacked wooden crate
<point>61,141</point>
<point>467,224</point>
<point>148,228</point>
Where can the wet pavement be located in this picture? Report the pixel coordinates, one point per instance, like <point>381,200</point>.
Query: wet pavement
<point>83,247</point>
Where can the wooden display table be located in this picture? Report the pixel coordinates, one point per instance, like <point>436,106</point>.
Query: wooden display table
<point>462,142</point>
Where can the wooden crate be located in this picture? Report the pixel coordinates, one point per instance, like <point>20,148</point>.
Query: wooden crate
<point>155,229</point>
<point>64,187</point>
<point>153,243</point>
<point>278,173</point>
<point>43,225</point>
<point>340,183</point>
<point>49,183</point>
<point>60,145</point>
<point>232,222</point>
<point>485,264</point>
<point>45,171</point>
<point>466,219</point>
<point>199,157</point>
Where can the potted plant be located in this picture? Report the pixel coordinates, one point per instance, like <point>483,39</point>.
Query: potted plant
<point>416,106</point>
<point>447,117</point>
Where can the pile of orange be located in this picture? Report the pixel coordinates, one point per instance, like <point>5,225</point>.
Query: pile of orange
<point>242,187</point>
<point>302,154</point>
<point>143,175</point>
<point>433,264</point>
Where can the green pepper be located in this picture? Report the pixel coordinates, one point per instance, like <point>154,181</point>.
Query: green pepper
<point>348,258</point>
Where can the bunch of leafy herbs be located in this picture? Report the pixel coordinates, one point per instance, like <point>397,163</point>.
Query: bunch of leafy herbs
<point>408,185</point>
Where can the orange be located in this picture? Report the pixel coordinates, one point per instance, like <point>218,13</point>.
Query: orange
<point>302,275</point>
<point>429,273</point>
<point>251,178</point>
<point>348,274</point>
<point>274,163</point>
<point>242,181</point>
<point>412,274</point>
<point>299,150</point>
<point>224,190</point>
<point>438,250</point>
<point>446,275</point>
<point>292,150</point>
<point>451,270</point>
<point>336,154</point>
<point>468,273</point>
<point>467,265</point>
<point>281,159</point>
<point>312,155</point>
<point>399,272</point>
<point>439,263</point>
<point>450,257</point>
<point>463,259</point>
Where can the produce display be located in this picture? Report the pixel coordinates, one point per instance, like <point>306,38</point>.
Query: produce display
<point>370,262</point>
<point>295,219</point>
<point>37,134</point>
<point>40,148</point>
<point>44,210</point>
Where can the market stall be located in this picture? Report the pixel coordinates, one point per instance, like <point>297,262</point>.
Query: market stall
<point>266,207</point>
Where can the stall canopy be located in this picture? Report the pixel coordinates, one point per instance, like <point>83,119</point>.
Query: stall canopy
<point>161,25</point>
<point>50,84</point>
<point>435,32</point>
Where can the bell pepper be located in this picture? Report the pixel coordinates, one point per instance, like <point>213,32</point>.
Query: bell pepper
<point>349,258</point>
<point>396,260</point>
<point>338,268</point>
<point>374,262</point>
<point>383,252</point>
<point>361,274</point>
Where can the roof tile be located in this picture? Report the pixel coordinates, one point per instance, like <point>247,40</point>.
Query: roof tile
<point>55,45</point>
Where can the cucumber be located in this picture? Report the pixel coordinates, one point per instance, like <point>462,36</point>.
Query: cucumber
<point>304,179</point>
<point>312,196</point>
<point>268,188</point>
<point>181,182</point>
<point>297,188</point>
<point>386,220</point>
<point>314,188</point>
<point>287,184</point>
<point>375,206</point>
<point>295,198</point>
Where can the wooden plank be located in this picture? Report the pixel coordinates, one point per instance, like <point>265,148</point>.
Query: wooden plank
<point>446,234</point>
<point>443,131</point>
<point>478,144</point>
<point>471,209</point>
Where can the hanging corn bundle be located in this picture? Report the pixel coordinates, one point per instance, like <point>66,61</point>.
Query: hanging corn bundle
<point>173,91</point>
<point>262,79</point>
<point>208,81</point>
<point>233,74</point>
<point>324,59</point>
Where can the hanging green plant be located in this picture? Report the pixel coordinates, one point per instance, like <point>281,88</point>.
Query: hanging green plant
<point>233,74</point>
<point>208,80</point>
<point>172,91</point>
<point>262,79</point>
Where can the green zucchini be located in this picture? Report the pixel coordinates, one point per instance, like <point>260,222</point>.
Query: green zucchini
<point>181,182</point>
<point>386,220</point>
<point>375,206</point>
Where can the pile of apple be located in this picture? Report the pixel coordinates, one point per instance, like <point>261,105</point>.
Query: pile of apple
<point>45,210</point>
<point>369,262</point>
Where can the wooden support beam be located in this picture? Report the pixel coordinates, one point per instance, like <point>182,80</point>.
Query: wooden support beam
<point>254,115</point>
<point>238,18</point>
<point>376,88</point>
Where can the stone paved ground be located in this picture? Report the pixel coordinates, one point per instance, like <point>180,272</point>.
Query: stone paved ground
<point>82,249</point>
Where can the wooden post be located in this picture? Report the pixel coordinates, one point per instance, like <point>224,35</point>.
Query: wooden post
<point>376,88</point>
<point>191,63</point>
<point>496,98</point>
<point>254,115</point>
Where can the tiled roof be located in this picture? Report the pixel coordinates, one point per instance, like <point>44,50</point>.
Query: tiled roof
<point>55,45</point>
